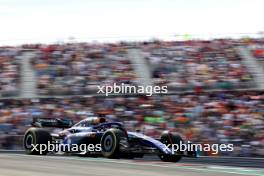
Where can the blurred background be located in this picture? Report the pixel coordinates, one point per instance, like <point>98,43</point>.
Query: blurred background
<point>54,54</point>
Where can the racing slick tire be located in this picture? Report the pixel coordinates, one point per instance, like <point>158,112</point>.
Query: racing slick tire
<point>36,136</point>
<point>110,143</point>
<point>169,138</point>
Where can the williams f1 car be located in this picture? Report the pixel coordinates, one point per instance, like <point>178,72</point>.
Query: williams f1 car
<point>114,140</point>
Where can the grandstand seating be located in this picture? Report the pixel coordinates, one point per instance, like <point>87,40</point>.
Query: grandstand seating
<point>79,68</point>
<point>197,65</point>
<point>217,117</point>
<point>9,72</point>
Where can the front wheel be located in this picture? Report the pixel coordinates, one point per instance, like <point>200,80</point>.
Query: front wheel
<point>169,138</point>
<point>110,143</point>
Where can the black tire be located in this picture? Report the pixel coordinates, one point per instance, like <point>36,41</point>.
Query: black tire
<point>110,143</point>
<point>36,136</point>
<point>169,138</point>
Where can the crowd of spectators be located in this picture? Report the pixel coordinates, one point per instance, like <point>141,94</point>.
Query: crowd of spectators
<point>219,117</point>
<point>79,68</point>
<point>9,71</point>
<point>75,69</point>
<point>257,49</point>
<point>190,65</point>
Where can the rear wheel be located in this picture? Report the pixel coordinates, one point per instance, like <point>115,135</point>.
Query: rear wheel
<point>169,138</point>
<point>33,139</point>
<point>110,143</point>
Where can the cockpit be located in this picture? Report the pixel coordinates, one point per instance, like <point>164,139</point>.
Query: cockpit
<point>91,121</point>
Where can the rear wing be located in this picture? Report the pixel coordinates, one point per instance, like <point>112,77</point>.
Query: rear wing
<point>52,122</point>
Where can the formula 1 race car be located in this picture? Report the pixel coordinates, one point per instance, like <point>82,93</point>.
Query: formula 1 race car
<point>111,139</point>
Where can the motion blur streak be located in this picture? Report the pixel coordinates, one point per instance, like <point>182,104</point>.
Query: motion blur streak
<point>12,164</point>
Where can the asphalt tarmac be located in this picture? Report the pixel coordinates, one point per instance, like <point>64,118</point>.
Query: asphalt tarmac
<point>28,165</point>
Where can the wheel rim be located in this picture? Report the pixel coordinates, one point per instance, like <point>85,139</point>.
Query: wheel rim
<point>108,143</point>
<point>29,141</point>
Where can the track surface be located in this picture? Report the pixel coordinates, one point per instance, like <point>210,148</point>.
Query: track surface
<point>25,165</point>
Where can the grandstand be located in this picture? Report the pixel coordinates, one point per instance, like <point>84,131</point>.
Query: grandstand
<point>77,68</point>
<point>198,65</point>
<point>215,88</point>
<point>9,72</point>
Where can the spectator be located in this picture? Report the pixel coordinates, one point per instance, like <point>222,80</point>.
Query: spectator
<point>218,117</point>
